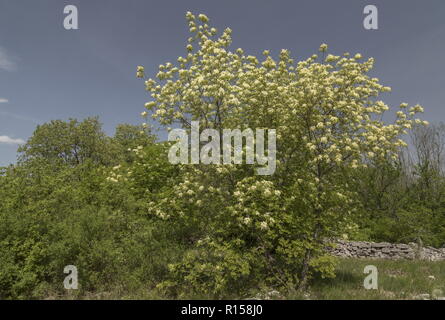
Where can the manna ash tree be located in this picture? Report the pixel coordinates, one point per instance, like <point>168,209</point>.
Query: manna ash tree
<point>269,230</point>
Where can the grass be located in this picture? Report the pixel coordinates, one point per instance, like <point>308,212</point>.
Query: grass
<point>397,279</point>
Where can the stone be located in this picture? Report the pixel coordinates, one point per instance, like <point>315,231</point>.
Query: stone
<point>385,250</point>
<point>422,296</point>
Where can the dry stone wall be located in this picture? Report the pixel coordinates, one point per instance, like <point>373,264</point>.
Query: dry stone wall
<point>385,250</point>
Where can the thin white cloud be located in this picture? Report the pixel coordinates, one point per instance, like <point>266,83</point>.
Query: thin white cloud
<point>6,63</point>
<point>19,117</point>
<point>3,100</point>
<point>9,140</point>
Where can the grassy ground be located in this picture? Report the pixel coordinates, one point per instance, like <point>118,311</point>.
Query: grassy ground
<point>401,279</point>
<point>397,279</point>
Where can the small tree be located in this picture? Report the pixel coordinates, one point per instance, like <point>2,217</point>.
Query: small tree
<point>270,229</point>
<point>69,142</point>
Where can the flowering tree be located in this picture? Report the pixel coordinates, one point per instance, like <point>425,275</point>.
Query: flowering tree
<point>327,115</point>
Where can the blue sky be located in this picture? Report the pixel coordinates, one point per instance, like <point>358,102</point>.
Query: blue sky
<point>47,72</point>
